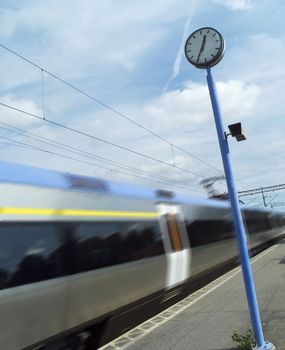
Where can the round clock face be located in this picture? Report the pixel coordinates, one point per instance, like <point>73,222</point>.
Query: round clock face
<point>205,47</point>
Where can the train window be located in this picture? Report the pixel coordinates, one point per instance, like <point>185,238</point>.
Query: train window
<point>33,252</point>
<point>26,253</point>
<point>257,222</point>
<point>202,232</point>
<point>101,244</point>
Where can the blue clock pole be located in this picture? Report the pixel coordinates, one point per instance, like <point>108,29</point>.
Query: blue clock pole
<point>237,219</point>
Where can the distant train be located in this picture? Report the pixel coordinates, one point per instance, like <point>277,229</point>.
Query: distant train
<point>81,258</point>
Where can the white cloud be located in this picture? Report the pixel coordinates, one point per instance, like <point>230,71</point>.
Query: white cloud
<point>102,35</point>
<point>253,61</point>
<point>235,4</point>
<point>191,106</point>
<point>257,58</point>
<point>102,47</point>
<point>15,117</point>
<point>238,99</point>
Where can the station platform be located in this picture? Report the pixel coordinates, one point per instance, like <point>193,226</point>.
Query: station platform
<point>207,318</point>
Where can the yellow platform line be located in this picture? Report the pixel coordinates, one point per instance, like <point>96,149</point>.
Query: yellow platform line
<point>76,212</point>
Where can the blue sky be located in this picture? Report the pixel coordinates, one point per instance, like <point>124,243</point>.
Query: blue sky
<point>128,54</point>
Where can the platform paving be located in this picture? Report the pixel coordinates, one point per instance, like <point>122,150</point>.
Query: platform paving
<point>206,319</point>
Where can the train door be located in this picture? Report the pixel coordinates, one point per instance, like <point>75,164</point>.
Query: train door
<point>176,244</point>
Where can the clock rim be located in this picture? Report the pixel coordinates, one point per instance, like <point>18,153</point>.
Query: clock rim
<point>213,61</point>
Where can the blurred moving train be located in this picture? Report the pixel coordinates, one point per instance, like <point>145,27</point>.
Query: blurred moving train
<point>78,254</point>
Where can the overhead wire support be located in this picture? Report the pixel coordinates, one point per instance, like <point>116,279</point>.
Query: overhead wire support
<point>43,70</point>
<point>262,189</point>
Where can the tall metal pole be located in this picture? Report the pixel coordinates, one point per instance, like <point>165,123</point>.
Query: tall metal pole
<point>237,219</point>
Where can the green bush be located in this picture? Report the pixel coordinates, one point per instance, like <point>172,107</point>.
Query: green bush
<point>245,342</point>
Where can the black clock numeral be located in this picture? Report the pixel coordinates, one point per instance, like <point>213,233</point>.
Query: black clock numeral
<point>212,55</point>
<point>205,59</point>
<point>217,48</point>
<point>214,34</point>
<point>217,41</point>
<point>201,32</point>
<point>194,36</point>
<point>189,44</point>
<point>191,57</point>
<point>188,50</point>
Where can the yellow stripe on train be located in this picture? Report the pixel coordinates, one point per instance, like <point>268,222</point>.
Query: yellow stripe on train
<point>77,212</point>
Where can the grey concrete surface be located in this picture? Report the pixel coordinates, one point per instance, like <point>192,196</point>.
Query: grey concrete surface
<point>209,323</point>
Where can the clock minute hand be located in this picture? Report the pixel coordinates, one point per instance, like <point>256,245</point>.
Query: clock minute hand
<point>202,47</point>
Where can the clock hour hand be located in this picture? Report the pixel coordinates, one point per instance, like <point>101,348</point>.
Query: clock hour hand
<point>202,47</point>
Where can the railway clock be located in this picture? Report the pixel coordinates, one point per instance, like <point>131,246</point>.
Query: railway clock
<point>205,47</point>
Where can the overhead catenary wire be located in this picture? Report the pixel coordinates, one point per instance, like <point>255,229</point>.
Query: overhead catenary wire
<point>93,164</point>
<point>83,153</point>
<point>108,107</point>
<point>10,144</point>
<point>43,70</point>
<point>100,139</point>
<point>171,144</point>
